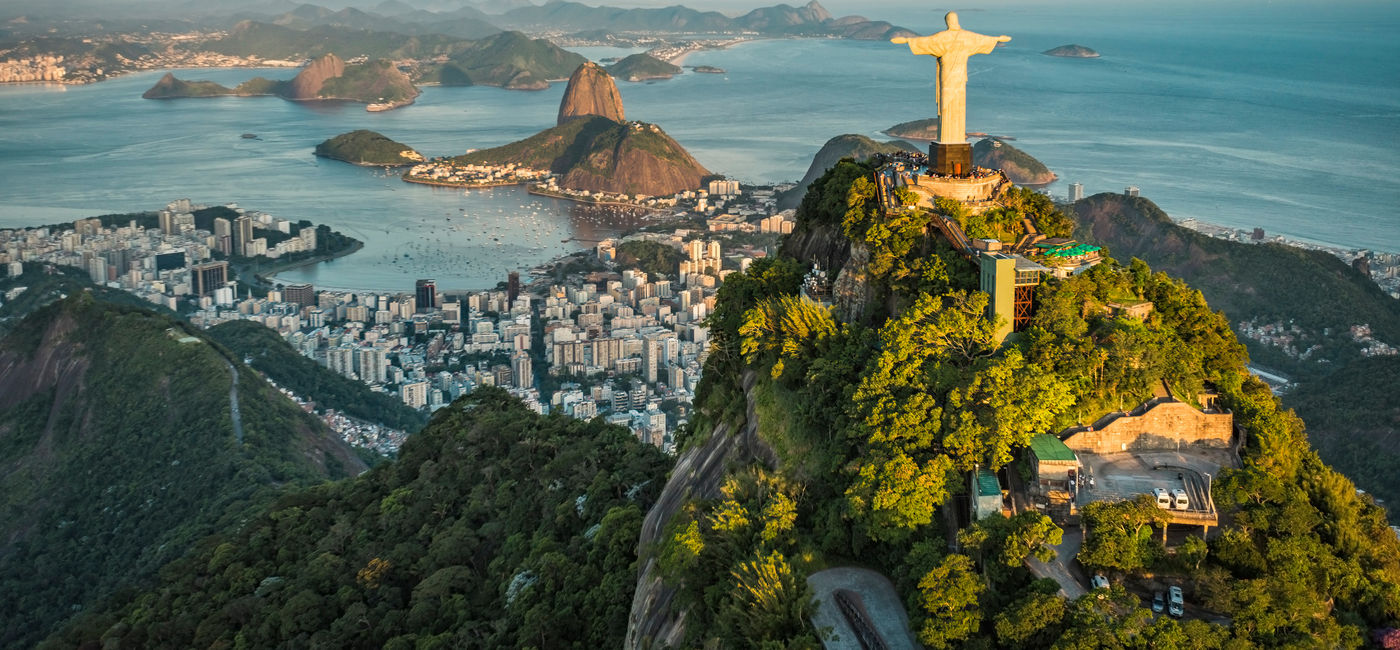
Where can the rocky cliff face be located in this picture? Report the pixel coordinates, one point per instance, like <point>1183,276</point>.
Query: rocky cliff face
<point>697,475</point>
<point>307,84</point>
<point>644,160</point>
<point>599,155</point>
<point>591,91</point>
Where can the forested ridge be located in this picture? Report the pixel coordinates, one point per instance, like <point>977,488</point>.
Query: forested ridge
<point>495,527</point>
<point>876,420</point>
<point>119,452</point>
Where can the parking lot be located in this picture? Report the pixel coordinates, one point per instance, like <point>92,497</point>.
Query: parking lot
<point>1122,476</point>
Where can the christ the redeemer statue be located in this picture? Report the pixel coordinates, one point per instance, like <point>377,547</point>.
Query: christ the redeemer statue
<point>953,47</point>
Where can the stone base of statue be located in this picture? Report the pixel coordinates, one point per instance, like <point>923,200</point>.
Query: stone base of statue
<point>978,190</point>
<point>950,159</point>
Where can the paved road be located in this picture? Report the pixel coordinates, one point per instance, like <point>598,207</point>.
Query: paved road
<point>1063,568</point>
<point>886,612</point>
<point>233,404</point>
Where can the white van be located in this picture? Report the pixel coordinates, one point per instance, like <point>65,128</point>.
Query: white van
<point>1179,499</point>
<point>1163,499</point>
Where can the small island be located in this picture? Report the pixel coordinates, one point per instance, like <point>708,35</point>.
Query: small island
<point>368,149</point>
<point>925,129</point>
<point>1072,52</point>
<point>707,69</point>
<point>643,67</point>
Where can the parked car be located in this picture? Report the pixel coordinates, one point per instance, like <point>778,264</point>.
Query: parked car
<point>1179,499</point>
<point>1100,582</point>
<point>1164,500</point>
<point>1177,603</point>
<point>1159,602</point>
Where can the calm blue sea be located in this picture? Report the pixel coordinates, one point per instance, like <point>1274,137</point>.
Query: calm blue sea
<point>1285,117</point>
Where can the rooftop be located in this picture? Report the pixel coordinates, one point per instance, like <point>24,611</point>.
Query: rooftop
<point>1048,447</point>
<point>987,484</point>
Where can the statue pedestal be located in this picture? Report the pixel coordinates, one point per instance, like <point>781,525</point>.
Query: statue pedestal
<point>950,159</point>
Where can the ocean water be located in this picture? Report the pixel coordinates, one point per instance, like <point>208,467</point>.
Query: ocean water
<point>1281,116</point>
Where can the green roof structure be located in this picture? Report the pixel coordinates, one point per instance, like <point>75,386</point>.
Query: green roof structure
<point>987,484</point>
<point>1048,447</point>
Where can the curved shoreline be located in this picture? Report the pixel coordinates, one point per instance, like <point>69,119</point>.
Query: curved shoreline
<point>468,186</point>
<point>269,276</point>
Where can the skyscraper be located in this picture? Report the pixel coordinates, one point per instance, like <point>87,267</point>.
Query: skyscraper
<point>242,234</point>
<point>426,294</point>
<point>205,278</point>
<point>223,235</point>
<point>167,222</point>
<point>301,294</point>
<point>1076,192</point>
<point>512,287</point>
<point>521,370</point>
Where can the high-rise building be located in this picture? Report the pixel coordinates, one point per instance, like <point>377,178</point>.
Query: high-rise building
<point>521,370</point>
<point>651,352</point>
<point>97,270</point>
<point>167,222</point>
<point>415,394</point>
<point>372,365</point>
<point>426,294</point>
<point>301,294</point>
<point>205,278</point>
<point>169,261</point>
<point>1076,192</point>
<point>512,287</point>
<point>242,234</point>
<point>223,235</point>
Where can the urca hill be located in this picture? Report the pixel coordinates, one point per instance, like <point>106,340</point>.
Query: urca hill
<point>593,149</point>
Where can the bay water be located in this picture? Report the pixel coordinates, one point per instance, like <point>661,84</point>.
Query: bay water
<point>1285,117</point>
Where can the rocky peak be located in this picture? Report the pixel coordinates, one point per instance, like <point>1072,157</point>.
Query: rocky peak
<point>591,91</point>
<point>307,84</point>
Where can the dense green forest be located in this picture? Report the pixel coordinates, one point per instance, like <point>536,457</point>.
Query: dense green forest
<point>876,420</point>
<point>1344,397</point>
<point>120,451</point>
<point>652,257</point>
<point>496,527</point>
<point>364,147</point>
<point>270,354</point>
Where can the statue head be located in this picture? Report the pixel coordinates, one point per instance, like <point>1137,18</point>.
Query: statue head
<point>952,20</point>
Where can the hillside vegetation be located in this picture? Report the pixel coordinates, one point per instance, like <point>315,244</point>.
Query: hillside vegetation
<point>597,154</point>
<point>495,528</point>
<point>643,66</point>
<point>876,421</point>
<point>120,451</point>
<point>363,147</point>
<point>509,60</point>
<point>1343,396</point>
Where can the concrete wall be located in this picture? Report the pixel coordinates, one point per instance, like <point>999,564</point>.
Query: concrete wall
<point>962,189</point>
<point>1161,424</point>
